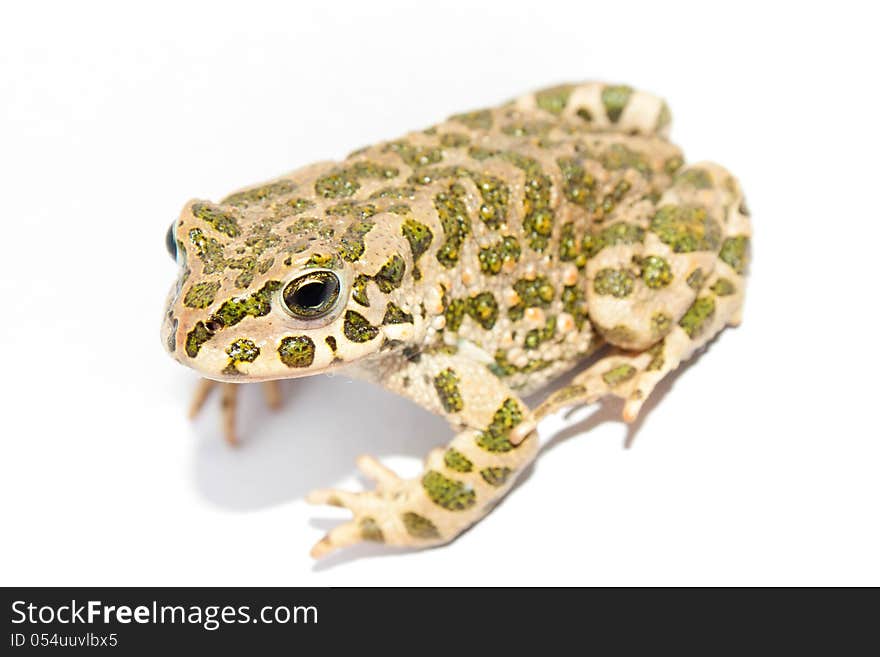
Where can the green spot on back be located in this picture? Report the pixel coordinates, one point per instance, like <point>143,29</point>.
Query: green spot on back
<point>480,154</point>
<point>492,258</point>
<point>573,303</point>
<point>455,221</point>
<point>419,237</point>
<point>293,206</point>
<point>538,214</point>
<point>536,336</point>
<point>454,140</point>
<point>483,309</point>
<point>527,128</point>
<point>619,156</point>
<point>344,182</point>
<point>537,292</point>
<point>579,184</point>
<point>454,313</point>
<point>477,120</point>
<point>413,155</point>
<point>398,193</point>
<point>568,246</point>
<point>495,194</point>
<point>260,194</point>
<point>352,242</point>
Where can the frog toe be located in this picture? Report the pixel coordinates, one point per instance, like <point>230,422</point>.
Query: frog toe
<point>379,515</point>
<point>272,394</point>
<point>229,403</point>
<point>203,389</point>
<point>384,478</point>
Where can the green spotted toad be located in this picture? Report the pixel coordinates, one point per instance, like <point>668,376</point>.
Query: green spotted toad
<point>462,267</point>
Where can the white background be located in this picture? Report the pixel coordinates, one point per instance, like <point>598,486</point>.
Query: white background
<point>758,465</point>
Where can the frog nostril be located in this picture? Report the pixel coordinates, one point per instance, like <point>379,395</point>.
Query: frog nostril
<point>171,242</point>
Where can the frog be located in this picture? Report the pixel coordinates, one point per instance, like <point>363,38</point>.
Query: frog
<point>465,267</point>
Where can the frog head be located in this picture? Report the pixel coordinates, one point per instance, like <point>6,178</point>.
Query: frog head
<point>273,285</point>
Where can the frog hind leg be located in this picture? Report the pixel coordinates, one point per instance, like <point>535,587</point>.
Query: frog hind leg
<point>229,403</point>
<point>633,375</point>
<point>640,359</point>
<point>645,273</point>
<point>603,107</point>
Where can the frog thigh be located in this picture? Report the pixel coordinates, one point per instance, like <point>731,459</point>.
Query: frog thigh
<point>632,376</point>
<point>647,274</point>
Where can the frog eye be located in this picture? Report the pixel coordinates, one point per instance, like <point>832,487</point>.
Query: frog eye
<point>171,242</point>
<point>312,295</point>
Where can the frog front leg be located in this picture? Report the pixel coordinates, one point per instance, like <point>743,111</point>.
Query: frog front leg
<point>229,403</point>
<point>461,483</point>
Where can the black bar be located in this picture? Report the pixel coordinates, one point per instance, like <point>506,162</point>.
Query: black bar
<point>387,621</point>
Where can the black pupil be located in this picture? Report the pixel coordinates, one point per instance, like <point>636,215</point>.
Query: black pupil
<point>312,295</point>
<point>170,242</point>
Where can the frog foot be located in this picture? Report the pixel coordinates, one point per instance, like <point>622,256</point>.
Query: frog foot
<point>229,403</point>
<point>378,514</point>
